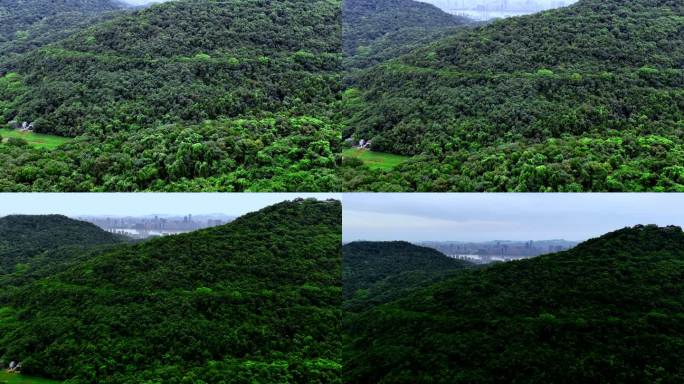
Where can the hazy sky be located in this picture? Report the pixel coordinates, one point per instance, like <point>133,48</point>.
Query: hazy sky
<point>143,2</point>
<point>482,217</point>
<point>445,4</point>
<point>450,4</point>
<point>139,204</point>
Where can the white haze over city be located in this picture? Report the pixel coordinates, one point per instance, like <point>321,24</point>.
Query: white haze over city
<point>507,216</point>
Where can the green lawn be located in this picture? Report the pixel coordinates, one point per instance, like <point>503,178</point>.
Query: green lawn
<point>12,378</point>
<point>375,160</point>
<point>37,140</point>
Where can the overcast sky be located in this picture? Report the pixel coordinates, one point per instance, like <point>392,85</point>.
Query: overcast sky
<point>451,4</point>
<point>445,4</point>
<point>143,2</point>
<point>140,204</point>
<point>483,217</point>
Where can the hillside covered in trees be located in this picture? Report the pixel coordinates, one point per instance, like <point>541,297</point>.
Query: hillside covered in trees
<point>187,95</point>
<point>378,30</point>
<point>25,238</point>
<point>367,263</point>
<point>28,24</point>
<point>256,300</point>
<point>583,98</point>
<point>609,311</point>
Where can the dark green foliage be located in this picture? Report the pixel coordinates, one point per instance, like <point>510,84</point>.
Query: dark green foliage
<point>184,96</point>
<point>18,15</point>
<point>25,238</point>
<point>256,300</point>
<point>365,21</point>
<point>368,263</point>
<point>185,61</point>
<point>279,153</point>
<point>513,105</point>
<point>609,311</point>
<point>390,46</point>
<point>29,24</point>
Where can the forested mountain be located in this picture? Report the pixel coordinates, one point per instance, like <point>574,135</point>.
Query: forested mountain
<point>377,30</point>
<point>609,311</point>
<point>367,263</point>
<point>24,238</point>
<point>185,95</point>
<point>27,24</point>
<point>583,98</point>
<point>256,300</point>
<point>184,61</point>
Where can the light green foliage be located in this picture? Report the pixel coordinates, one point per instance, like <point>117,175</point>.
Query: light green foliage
<point>375,160</point>
<point>36,140</point>
<point>545,72</point>
<point>11,378</point>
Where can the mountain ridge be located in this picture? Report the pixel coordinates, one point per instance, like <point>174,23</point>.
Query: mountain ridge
<point>609,309</point>
<point>25,237</point>
<point>257,298</point>
<point>574,99</point>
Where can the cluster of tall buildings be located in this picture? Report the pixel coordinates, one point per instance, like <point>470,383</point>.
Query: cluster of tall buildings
<point>493,251</point>
<point>147,226</point>
<point>500,5</point>
<point>489,9</point>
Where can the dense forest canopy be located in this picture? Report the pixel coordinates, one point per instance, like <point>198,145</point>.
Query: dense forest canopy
<point>367,21</point>
<point>185,61</point>
<point>24,238</point>
<point>28,24</point>
<point>366,262</point>
<point>187,95</point>
<point>247,95</point>
<point>583,98</point>
<point>609,310</point>
<point>17,15</point>
<point>256,300</point>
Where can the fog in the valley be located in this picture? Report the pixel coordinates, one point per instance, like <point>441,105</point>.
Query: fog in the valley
<point>490,9</point>
<point>142,204</point>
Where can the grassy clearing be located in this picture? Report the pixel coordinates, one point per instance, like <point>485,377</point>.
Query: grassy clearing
<point>13,378</point>
<point>36,140</point>
<point>375,160</point>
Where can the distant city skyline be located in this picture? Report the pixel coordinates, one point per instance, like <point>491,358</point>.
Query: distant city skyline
<point>144,204</point>
<point>492,4</point>
<point>419,217</point>
<point>481,10</point>
<point>141,227</point>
